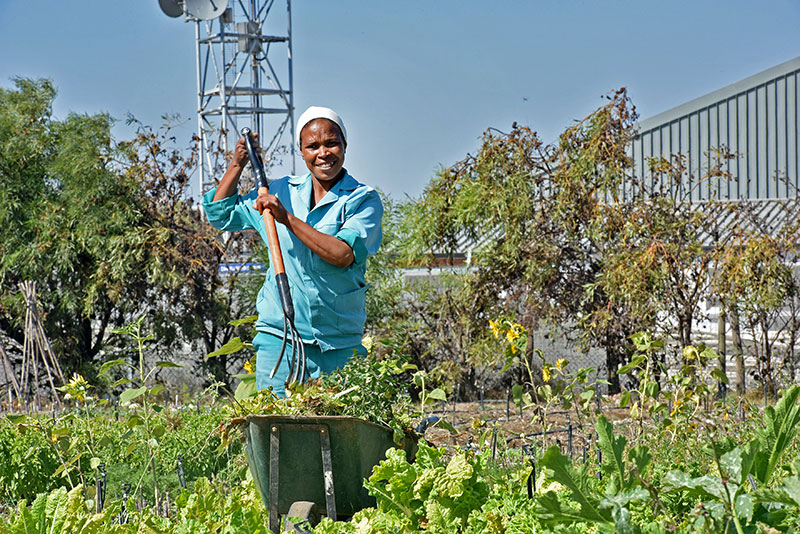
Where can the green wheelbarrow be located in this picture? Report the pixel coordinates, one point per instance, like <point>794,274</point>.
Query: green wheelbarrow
<point>302,464</point>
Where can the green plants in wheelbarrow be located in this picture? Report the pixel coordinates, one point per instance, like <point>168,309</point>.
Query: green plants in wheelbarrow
<point>366,388</point>
<point>310,452</point>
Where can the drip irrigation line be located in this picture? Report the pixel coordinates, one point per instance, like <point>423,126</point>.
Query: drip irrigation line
<point>179,471</point>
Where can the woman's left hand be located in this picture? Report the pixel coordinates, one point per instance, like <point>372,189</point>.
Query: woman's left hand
<point>271,203</point>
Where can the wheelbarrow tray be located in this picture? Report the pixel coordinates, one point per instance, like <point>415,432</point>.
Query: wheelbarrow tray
<point>305,458</point>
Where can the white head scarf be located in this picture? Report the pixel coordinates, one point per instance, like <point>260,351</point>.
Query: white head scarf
<point>318,112</point>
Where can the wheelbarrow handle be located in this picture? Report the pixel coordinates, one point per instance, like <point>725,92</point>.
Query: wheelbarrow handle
<point>271,229</point>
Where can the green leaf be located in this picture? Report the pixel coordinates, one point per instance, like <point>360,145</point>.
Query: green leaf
<point>232,346</point>
<point>167,364</point>
<point>736,463</point>
<point>622,499</point>
<point>134,421</point>
<point>419,378</point>
<point>641,457</point>
<point>549,510</point>
<point>579,484</point>
<point>622,521</point>
<point>15,418</point>
<point>788,493</point>
<point>516,393</point>
<point>106,367</point>
<point>95,462</point>
<point>780,427</point>
<point>392,482</point>
<point>155,390</point>
<point>635,362</point>
<point>438,394</point>
<point>251,319</point>
<point>624,399</point>
<point>130,394</point>
<point>159,431</point>
<point>705,486</point>
<point>247,386</point>
<point>651,389</point>
<point>122,382</point>
<point>56,510</point>
<point>744,505</point>
<point>719,376</point>
<point>613,448</point>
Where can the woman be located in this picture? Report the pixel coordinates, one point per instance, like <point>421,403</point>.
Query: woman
<point>329,224</point>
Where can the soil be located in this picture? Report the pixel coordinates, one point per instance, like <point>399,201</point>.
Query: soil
<point>478,424</point>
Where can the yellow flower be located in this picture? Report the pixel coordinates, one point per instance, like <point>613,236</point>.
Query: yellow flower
<point>367,343</point>
<point>561,363</point>
<point>495,329</point>
<point>512,334</point>
<point>248,366</point>
<point>677,407</point>
<point>78,381</point>
<point>77,387</point>
<point>546,373</point>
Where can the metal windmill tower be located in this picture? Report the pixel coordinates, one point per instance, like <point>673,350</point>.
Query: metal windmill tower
<point>244,77</point>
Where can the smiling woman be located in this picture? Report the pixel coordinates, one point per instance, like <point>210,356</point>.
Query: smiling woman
<point>329,224</point>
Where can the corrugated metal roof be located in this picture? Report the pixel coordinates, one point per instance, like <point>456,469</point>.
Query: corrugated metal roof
<point>756,118</point>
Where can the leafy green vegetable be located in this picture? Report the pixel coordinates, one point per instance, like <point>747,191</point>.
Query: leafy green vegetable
<point>779,430</point>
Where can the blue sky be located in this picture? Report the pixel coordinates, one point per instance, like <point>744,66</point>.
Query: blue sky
<point>416,82</point>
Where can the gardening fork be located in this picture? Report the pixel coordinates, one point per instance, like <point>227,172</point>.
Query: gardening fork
<point>297,367</point>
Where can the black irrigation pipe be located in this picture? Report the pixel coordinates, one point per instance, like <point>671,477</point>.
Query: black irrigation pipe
<point>179,471</point>
<point>100,488</point>
<point>123,515</point>
<point>531,480</point>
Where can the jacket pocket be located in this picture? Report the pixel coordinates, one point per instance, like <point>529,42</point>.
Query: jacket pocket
<point>351,311</point>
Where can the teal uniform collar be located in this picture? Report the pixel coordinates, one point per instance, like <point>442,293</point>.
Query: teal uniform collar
<point>347,184</point>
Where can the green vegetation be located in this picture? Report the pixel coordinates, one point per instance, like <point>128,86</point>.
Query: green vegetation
<point>366,388</point>
<point>105,230</point>
<point>741,479</point>
<point>564,238</point>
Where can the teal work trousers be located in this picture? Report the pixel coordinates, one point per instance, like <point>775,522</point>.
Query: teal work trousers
<point>268,349</point>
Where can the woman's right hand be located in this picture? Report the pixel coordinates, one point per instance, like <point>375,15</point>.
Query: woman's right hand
<point>229,184</point>
<point>240,155</point>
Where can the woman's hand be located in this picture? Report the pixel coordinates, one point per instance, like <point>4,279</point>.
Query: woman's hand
<point>229,184</point>
<point>240,155</point>
<point>271,203</point>
<point>327,247</point>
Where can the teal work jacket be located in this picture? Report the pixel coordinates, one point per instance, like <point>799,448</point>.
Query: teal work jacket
<point>329,301</point>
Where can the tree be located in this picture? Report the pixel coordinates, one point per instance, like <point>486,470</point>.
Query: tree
<point>756,282</point>
<point>542,219</point>
<point>107,231</point>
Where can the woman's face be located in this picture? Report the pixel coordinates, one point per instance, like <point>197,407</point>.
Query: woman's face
<point>322,148</point>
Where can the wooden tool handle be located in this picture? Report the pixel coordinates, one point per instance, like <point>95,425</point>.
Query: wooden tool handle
<point>272,238</point>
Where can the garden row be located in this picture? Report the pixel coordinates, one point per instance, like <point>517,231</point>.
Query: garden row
<point>740,475</point>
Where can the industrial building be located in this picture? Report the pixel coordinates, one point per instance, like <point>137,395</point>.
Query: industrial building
<point>756,118</point>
